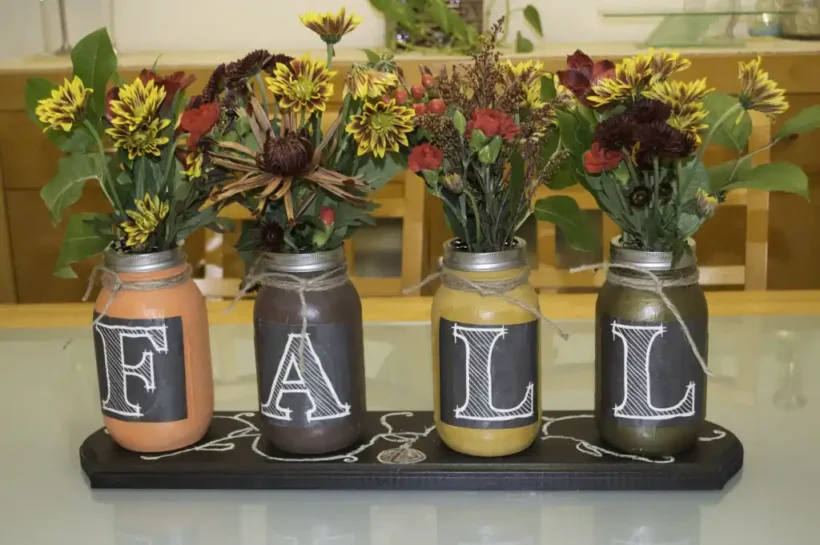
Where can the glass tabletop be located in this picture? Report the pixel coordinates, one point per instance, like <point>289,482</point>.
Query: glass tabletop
<point>765,390</point>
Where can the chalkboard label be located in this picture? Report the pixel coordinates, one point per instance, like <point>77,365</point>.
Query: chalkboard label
<point>312,393</point>
<point>488,374</point>
<point>650,374</point>
<point>141,369</point>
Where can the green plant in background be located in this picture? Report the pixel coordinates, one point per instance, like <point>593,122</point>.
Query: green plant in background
<point>155,207</point>
<point>435,25</point>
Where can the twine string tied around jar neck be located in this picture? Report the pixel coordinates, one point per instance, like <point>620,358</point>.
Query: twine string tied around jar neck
<point>649,281</point>
<point>113,281</point>
<point>333,278</point>
<point>488,288</point>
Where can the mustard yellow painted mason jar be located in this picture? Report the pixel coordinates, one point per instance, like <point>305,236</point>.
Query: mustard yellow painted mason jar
<point>485,353</point>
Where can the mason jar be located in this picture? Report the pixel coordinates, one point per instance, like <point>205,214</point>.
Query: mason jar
<point>312,386</point>
<point>153,352</point>
<point>650,389</point>
<point>485,354</point>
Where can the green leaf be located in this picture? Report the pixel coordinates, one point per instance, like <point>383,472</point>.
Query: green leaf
<point>477,140</point>
<point>95,63</point>
<point>431,177</point>
<point>548,91</point>
<point>495,148</point>
<point>688,224</point>
<point>36,90</point>
<point>83,238</point>
<point>534,19</point>
<point>522,45</point>
<point>485,155</point>
<point>732,133</point>
<point>459,121</point>
<point>377,171</point>
<point>786,177</point>
<point>568,125</point>
<point>66,187</point>
<point>719,175</point>
<point>564,178</point>
<point>372,56</point>
<point>806,120</point>
<point>564,213</point>
<point>439,14</point>
<point>78,141</point>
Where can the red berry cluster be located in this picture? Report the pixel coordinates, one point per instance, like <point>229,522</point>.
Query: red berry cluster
<point>425,97</point>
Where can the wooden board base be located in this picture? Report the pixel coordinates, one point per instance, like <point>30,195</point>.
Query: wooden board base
<point>402,451</point>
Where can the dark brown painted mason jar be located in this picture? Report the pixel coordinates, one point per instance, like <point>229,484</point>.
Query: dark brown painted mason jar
<point>650,390</point>
<point>311,387</point>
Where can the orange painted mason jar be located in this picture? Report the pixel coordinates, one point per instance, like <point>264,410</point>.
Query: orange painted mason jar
<point>486,370</point>
<point>153,352</point>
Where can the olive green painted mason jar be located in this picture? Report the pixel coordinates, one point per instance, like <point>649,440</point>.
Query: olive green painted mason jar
<point>650,390</point>
<point>485,354</point>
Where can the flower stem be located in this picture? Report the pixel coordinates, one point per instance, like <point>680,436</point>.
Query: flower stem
<point>758,150</point>
<point>263,92</point>
<point>712,130</point>
<point>329,55</point>
<point>110,193</point>
<point>474,206</point>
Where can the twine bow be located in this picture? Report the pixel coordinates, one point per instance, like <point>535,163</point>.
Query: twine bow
<point>651,282</point>
<point>329,280</point>
<point>114,282</point>
<point>488,288</point>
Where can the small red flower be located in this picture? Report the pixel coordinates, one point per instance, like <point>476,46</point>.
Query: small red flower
<point>598,159</point>
<point>582,73</point>
<point>327,216</point>
<point>173,83</point>
<point>199,121</point>
<point>492,123</point>
<point>425,157</point>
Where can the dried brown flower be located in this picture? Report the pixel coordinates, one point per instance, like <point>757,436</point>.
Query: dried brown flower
<point>289,155</point>
<point>215,85</point>
<point>540,123</point>
<point>443,134</point>
<point>238,72</point>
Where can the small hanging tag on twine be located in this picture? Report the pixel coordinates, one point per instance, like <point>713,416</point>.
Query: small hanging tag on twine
<point>334,278</point>
<point>651,282</point>
<point>492,288</point>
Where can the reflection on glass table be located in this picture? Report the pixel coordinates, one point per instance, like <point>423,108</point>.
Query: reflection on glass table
<point>50,403</point>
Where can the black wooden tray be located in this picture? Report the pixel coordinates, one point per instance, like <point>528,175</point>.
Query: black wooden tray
<point>402,451</point>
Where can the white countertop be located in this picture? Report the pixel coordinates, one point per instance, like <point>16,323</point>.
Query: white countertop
<point>766,391</point>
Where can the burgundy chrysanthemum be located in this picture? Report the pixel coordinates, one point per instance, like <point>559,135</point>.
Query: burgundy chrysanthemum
<point>616,133</point>
<point>648,110</point>
<point>658,139</point>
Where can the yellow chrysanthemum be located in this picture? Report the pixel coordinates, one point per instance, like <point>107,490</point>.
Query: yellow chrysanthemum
<point>381,127</point>
<point>758,92</point>
<point>330,26</point>
<point>663,64</point>
<point>193,165</point>
<point>679,93</point>
<point>529,74</point>
<point>144,220</point>
<point>689,119</point>
<point>630,76</point>
<point>706,203</point>
<point>303,85</point>
<point>364,82</point>
<point>65,106</point>
<point>134,115</point>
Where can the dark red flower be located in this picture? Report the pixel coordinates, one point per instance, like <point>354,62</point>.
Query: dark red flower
<point>425,157</point>
<point>198,121</point>
<point>597,159</point>
<point>173,83</point>
<point>112,94</point>
<point>582,73</point>
<point>327,216</point>
<point>492,123</point>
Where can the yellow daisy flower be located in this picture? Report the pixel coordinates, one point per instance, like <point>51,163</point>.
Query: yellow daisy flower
<point>630,76</point>
<point>706,203</point>
<point>144,140</point>
<point>303,85</point>
<point>689,119</point>
<point>679,93</point>
<point>144,220</point>
<point>381,127</point>
<point>663,64</point>
<point>65,106</point>
<point>136,104</point>
<point>330,26</point>
<point>758,92</point>
<point>363,82</point>
<point>529,74</point>
<point>192,166</point>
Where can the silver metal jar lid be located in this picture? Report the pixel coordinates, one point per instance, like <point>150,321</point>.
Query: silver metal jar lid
<point>143,263</point>
<point>459,260</point>
<point>648,260</point>
<point>303,263</point>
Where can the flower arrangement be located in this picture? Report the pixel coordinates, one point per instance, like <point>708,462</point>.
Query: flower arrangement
<point>154,204</point>
<point>636,139</point>
<point>487,139</point>
<point>305,187</point>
